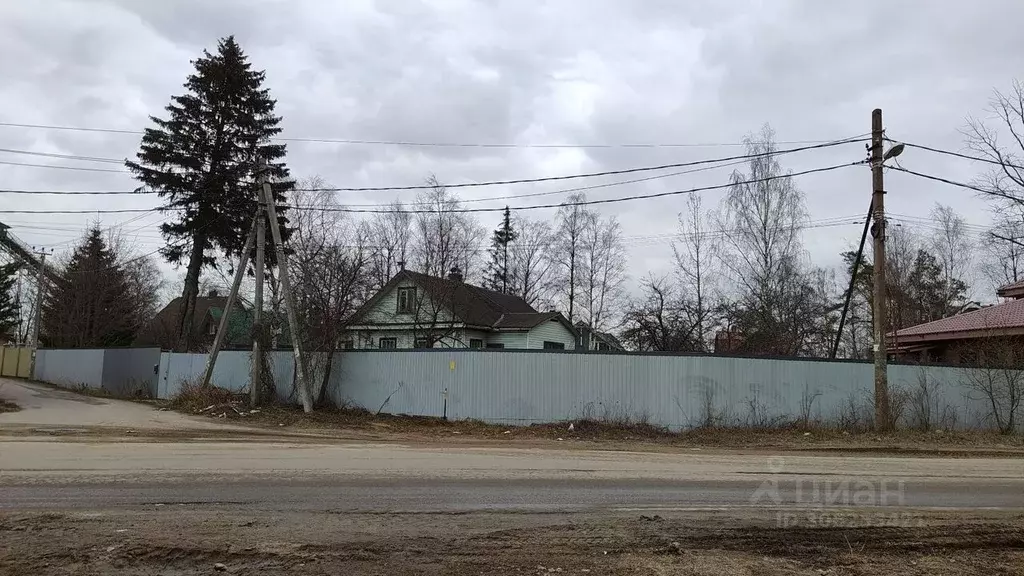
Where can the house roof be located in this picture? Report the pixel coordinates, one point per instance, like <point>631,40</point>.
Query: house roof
<point>525,319</point>
<point>473,305</point>
<point>166,320</point>
<point>1012,290</point>
<point>1005,318</point>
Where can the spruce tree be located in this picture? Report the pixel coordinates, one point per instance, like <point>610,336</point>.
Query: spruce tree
<point>87,305</point>
<point>500,277</point>
<point>10,308</point>
<point>204,160</point>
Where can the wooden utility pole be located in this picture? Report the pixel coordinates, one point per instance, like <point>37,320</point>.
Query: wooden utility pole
<point>40,296</point>
<point>256,375</point>
<point>222,327</point>
<point>880,312</point>
<point>267,197</point>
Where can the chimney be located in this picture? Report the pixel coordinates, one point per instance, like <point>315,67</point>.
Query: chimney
<point>455,274</point>
<point>401,265</point>
<point>214,293</point>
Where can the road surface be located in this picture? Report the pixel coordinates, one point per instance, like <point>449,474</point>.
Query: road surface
<point>255,504</point>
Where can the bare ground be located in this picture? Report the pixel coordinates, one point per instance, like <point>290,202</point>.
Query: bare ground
<point>186,539</point>
<point>348,423</point>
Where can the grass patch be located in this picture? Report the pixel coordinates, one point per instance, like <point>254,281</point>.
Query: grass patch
<point>194,397</point>
<point>6,406</point>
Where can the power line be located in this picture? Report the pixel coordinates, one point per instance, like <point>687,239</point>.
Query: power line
<point>588,202</point>
<point>705,162</point>
<point>62,156</point>
<point>938,179</point>
<point>595,174</point>
<point>356,141</point>
<point>961,155</point>
<point>385,210</point>
<point>57,167</point>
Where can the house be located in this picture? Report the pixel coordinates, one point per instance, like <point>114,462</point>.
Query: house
<point>591,339</point>
<point>959,338</point>
<point>162,330</point>
<point>415,310</point>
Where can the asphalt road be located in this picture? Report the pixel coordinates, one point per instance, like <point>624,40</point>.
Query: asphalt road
<point>385,477</point>
<point>55,473</point>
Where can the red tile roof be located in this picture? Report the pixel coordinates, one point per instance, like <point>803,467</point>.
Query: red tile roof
<point>1009,315</point>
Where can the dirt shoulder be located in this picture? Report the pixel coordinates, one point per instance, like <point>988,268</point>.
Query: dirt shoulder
<point>188,539</point>
<point>589,434</point>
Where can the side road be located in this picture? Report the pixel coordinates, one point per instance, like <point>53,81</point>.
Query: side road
<point>50,409</point>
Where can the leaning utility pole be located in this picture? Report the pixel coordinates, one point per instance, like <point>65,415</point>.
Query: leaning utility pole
<point>267,197</point>
<point>256,374</point>
<point>880,312</point>
<point>40,296</point>
<point>222,327</point>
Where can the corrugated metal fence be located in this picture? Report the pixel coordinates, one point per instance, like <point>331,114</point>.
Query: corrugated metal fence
<point>522,387</point>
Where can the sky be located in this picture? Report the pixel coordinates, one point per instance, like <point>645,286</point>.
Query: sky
<point>698,74</point>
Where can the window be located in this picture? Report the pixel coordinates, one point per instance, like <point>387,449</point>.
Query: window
<point>495,345</point>
<point>347,345</point>
<point>476,343</point>
<point>212,330</point>
<point>406,299</point>
<point>422,343</point>
<point>554,345</point>
<point>389,343</point>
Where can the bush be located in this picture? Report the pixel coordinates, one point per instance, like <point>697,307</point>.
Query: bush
<point>193,396</point>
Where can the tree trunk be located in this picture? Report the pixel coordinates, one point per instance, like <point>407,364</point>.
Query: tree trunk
<point>186,315</point>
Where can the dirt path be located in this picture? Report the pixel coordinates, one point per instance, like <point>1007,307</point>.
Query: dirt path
<point>192,540</point>
<point>46,407</point>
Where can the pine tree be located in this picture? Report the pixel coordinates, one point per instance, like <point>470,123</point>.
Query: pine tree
<point>500,277</point>
<point>10,308</point>
<point>87,307</point>
<point>204,160</point>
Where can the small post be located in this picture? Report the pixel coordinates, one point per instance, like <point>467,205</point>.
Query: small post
<point>289,298</point>
<point>222,326</point>
<point>256,374</point>
<point>882,420</point>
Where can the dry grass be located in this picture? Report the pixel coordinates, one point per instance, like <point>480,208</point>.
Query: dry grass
<point>6,406</point>
<point>617,431</point>
<point>194,397</point>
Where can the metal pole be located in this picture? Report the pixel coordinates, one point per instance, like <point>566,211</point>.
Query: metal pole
<point>853,279</point>
<point>289,298</point>
<point>222,327</point>
<point>256,375</point>
<point>882,420</point>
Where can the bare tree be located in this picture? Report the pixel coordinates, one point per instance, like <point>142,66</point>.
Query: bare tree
<point>445,238</point>
<point>330,262</point>
<point>779,304</point>
<point>663,317</point>
<point>602,271</point>
<point>530,260</point>
<point>952,246</point>
<point>572,222</point>
<point>390,235</point>
<point>695,256</point>
<point>998,375</point>
<point>1002,250</point>
<point>1005,183</point>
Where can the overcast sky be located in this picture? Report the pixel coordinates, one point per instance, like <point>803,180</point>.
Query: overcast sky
<point>560,72</point>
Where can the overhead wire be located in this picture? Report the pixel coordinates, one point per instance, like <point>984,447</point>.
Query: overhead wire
<point>385,210</point>
<point>704,162</point>
<point>357,141</point>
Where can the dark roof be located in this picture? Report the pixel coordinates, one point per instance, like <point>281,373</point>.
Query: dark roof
<point>166,320</point>
<point>525,319</point>
<point>474,305</point>
<point>999,318</point>
<point>1013,290</point>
